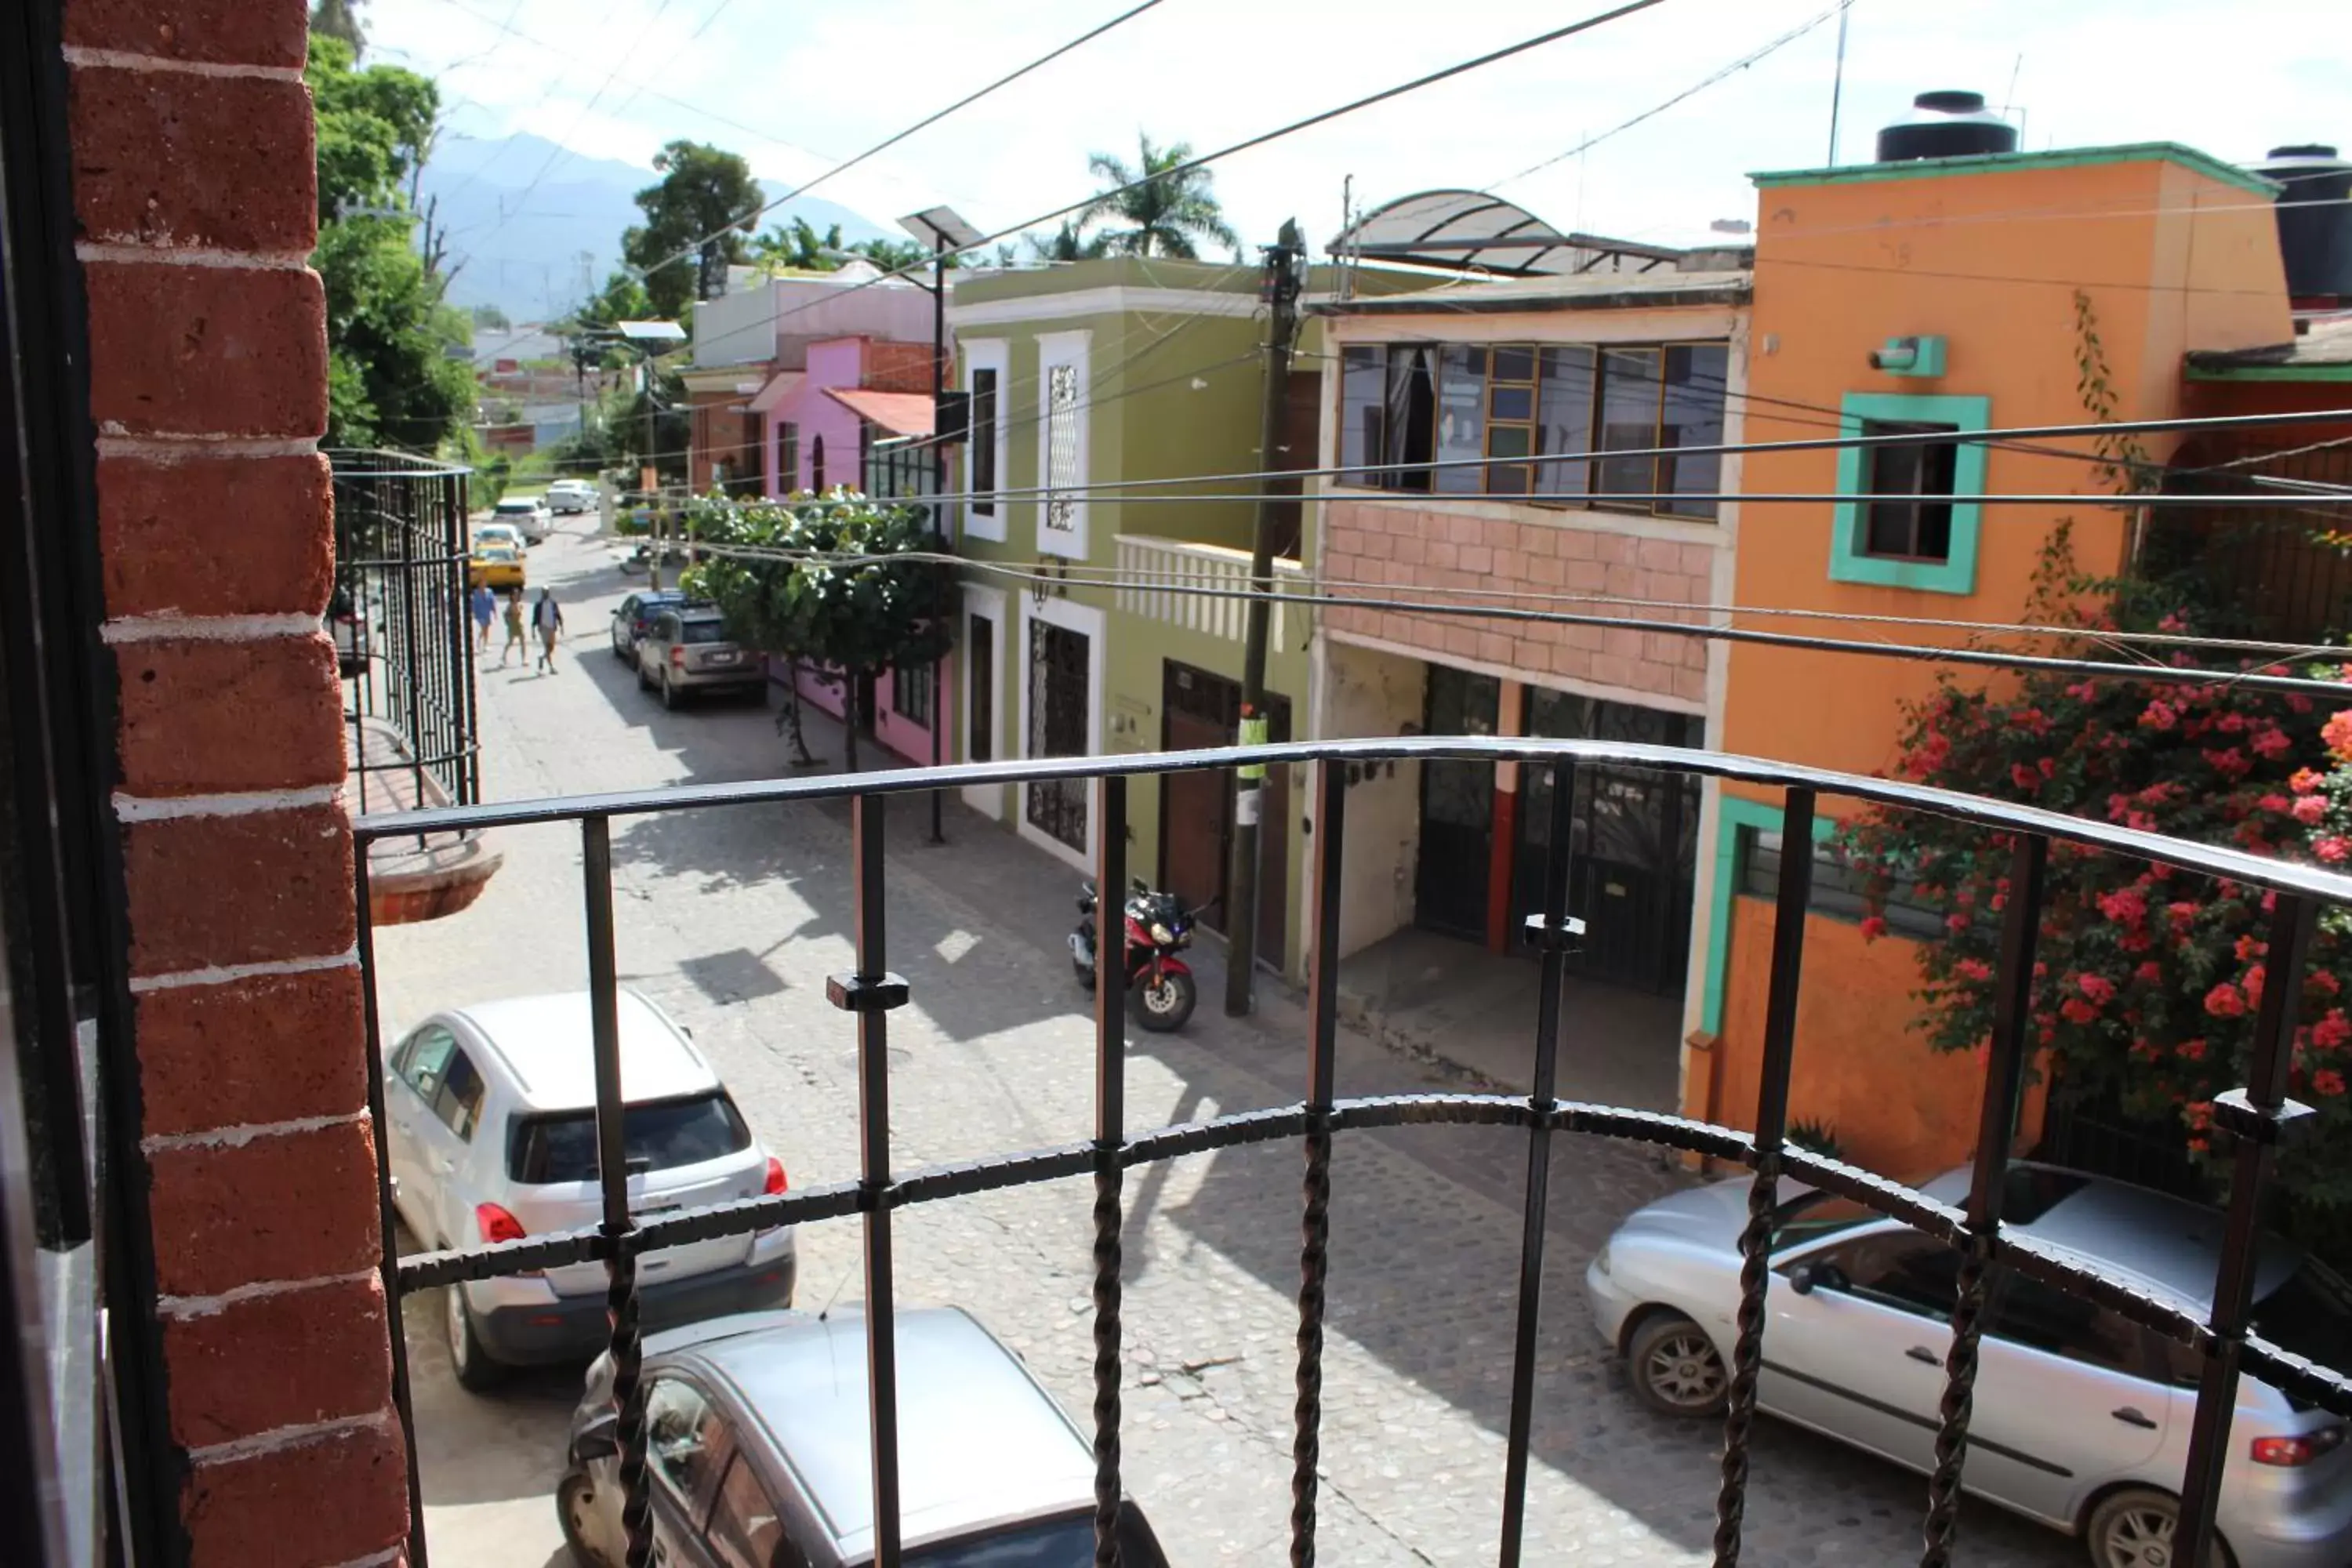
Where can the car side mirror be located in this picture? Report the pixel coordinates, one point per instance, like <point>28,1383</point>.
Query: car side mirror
<point>1803,1278</point>
<point>597,1441</point>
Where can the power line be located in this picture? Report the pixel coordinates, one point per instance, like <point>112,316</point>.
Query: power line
<point>1202,161</point>
<point>890,142</point>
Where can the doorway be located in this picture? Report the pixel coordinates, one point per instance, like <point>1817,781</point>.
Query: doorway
<point>1198,709</point>
<point>1457,808</point>
<point>1060,699</point>
<point>1631,878</point>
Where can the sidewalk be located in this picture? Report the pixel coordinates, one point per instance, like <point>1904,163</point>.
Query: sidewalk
<point>1452,1005</point>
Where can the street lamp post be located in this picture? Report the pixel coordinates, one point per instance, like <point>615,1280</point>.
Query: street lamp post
<point>943,228</point>
<point>642,336</point>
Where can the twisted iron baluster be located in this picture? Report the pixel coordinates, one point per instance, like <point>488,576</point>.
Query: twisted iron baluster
<point>1315,1220</point>
<point>1943,1521</point>
<point>2005,1056</point>
<point>1110,1115</point>
<point>629,1395</point>
<point>1792,898</point>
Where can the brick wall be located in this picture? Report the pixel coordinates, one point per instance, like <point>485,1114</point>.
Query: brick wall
<point>195,193</point>
<point>898,367</point>
<point>722,435</point>
<point>1411,552</point>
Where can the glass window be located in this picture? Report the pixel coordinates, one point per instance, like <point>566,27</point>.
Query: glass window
<point>1066,1542</point>
<point>2309,1315</point>
<point>1462,417</point>
<point>1564,402</point>
<point>1909,530</point>
<point>1810,1216</point>
<point>1409,419</point>
<point>1899,1269</point>
<point>665,1133</point>
<point>1693,417</point>
<point>703,632</point>
<point>424,1058</point>
<point>2041,1317</point>
<point>1629,422</point>
<point>459,1102</point>
<point>1841,891</point>
<point>747,1529</point>
<point>910,694</point>
<point>1510,418</point>
<point>686,1440</point>
<point>1363,386</point>
<point>1061,447</point>
<point>983,440</point>
<point>788,456</point>
<point>980,657</point>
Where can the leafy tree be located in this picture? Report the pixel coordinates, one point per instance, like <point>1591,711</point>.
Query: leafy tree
<point>340,20</point>
<point>846,593</point>
<point>489,318</point>
<point>797,246</point>
<point>1168,217</point>
<point>1068,244</point>
<point>705,204</point>
<point>391,378</point>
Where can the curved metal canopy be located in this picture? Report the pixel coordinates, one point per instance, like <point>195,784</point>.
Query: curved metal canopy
<point>1471,231</point>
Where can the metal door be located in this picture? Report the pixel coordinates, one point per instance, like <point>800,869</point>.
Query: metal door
<point>1200,709</point>
<point>1059,695</point>
<point>1457,808</point>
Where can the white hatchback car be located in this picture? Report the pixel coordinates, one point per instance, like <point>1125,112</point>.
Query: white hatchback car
<point>529,516</point>
<point>491,1128</point>
<point>567,496</point>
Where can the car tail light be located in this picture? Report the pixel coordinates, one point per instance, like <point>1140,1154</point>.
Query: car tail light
<point>496,1225</point>
<point>2299,1450</point>
<point>678,656</point>
<point>776,1182</point>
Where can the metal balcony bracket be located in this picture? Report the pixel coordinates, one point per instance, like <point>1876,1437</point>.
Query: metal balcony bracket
<point>1548,935</point>
<point>867,993</point>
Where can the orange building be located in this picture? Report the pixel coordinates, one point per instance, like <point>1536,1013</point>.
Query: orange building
<point>1955,293</point>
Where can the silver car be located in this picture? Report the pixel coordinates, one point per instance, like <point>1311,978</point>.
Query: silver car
<point>687,652</point>
<point>2081,1417</point>
<point>760,1452</point>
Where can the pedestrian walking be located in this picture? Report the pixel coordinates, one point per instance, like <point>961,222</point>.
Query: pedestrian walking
<point>515,645</point>
<point>486,609</point>
<point>547,618</point>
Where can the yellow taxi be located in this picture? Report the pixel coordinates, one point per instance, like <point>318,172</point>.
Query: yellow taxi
<point>496,564</point>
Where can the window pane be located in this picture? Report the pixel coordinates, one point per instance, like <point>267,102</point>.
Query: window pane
<point>1629,420</point>
<point>562,1146</point>
<point>1694,417</point>
<point>746,1527</point>
<point>1908,531</point>
<point>1564,403</point>
<point>1061,447</point>
<point>2027,1312</point>
<point>983,439</point>
<point>1410,425</point>
<point>683,1437</point>
<point>459,1103</point>
<point>1515,364</point>
<point>1904,1270</point>
<point>1513,402</point>
<point>1363,380</point>
<point>1461,418</point>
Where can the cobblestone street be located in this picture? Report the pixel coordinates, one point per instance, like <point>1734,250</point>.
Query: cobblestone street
<point>731,919</point>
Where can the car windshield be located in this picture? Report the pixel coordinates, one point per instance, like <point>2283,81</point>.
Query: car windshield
<point>704,631</point>
<point>1058,1543</point>
<point>496,552</point>
<point>665,1133</point>
<point>2309,1315</point>
<point>517,507</point>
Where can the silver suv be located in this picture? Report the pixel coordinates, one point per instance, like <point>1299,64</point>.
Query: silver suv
<point>759,1438</point>
<point>687,652</point>
<point>491,1133</point>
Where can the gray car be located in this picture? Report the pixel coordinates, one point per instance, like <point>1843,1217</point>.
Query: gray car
<point>759,1453</point>
<point>687,653</point>
<point>2081,1417</point>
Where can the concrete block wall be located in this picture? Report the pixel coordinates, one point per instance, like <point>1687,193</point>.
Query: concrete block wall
<point>1412,552</point>
<point>196,198</point>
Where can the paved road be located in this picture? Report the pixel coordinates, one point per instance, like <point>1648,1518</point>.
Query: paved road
<point>731,919</point>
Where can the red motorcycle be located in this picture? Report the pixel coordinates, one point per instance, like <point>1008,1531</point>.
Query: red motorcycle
<point>1159,983</point>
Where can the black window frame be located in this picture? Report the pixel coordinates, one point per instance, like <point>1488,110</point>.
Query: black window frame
<point>982,437</point>
<point>465,1097</point>
<point>1928,471</point>
<point>1839,891</point>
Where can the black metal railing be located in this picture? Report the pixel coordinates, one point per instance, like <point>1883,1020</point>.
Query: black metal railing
<point>2257,1117</point>
<point>401,629</point>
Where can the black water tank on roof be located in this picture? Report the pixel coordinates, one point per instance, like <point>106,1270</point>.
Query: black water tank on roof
<point>1946,125</point>
<point>2314,220</point>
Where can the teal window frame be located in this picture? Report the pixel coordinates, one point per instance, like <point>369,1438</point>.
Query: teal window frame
<point>1956,572</point>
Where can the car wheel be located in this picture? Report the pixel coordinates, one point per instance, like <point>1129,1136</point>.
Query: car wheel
<point>469,1360</point>
<point>668,692</point>
<point>2132,1529</point>
<point>1675,1368</point>
<point>575,1511</point>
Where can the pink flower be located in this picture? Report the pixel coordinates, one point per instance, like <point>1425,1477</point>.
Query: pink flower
<point>2192,1050</point>
<point>1955,923</point>
<point>2272,744</point>
<point>2309,808</point>
<point>1872,927</point>
<point>2097,988</point>
<point>2158,715</point>
<point>2332,1031</point>
<point>2125,906</point>
<point>2275,803</point>
<point>2305,781</point>
<point>2327,1081</point>
<point>1973,969</point>
<point>2149,973</point>
<point>2333,848</point>
<point>2180,913</point>
<point>2075,1010</point>
<point>2024,777</point>
<point>2225,1001</point>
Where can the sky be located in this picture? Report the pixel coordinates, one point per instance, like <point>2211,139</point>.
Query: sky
<point>796,87</point>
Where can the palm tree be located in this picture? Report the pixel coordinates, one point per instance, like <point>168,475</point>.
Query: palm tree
<point>1067,245</point>
<point>1166,216</point>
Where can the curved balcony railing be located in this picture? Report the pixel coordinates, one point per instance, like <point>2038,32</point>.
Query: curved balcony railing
<point>2255,1117</point>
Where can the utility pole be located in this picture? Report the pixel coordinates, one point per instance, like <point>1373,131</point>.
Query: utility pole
<point>1279,290</point>
<point>649,482</point>
<point>939,509</point>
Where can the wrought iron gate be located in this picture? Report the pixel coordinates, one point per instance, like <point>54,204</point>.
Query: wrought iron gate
<point>1060,688</point>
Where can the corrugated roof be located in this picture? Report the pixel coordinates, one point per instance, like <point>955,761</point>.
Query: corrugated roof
<point>2324,351</point>
<point>1476,232</point>
<point>899,413</point>
<point>1590,291</point>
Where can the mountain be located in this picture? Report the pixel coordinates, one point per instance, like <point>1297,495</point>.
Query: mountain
<point>536,249</point>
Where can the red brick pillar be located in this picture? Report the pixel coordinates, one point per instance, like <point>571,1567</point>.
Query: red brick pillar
<point>196,196</point>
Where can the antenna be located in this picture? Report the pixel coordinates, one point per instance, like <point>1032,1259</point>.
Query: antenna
<point>1837,81</point>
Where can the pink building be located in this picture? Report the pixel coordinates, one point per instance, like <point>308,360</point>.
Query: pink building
<point>814,440</point>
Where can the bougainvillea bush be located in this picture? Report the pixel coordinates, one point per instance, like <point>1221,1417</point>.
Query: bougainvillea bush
<point>2150,976</point>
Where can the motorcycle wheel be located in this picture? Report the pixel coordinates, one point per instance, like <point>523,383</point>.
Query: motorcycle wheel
<point>1166,1005</point>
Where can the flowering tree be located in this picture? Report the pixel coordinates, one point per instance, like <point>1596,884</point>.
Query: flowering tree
<point>2150,976</point>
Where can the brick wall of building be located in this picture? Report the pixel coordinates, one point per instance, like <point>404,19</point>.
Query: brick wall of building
<point>1412,552</point>
<point>723,433</point>
<point>194,190</point>
<point>898,367</point>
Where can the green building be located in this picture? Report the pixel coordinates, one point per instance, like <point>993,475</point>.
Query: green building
<point>1076,639</point>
